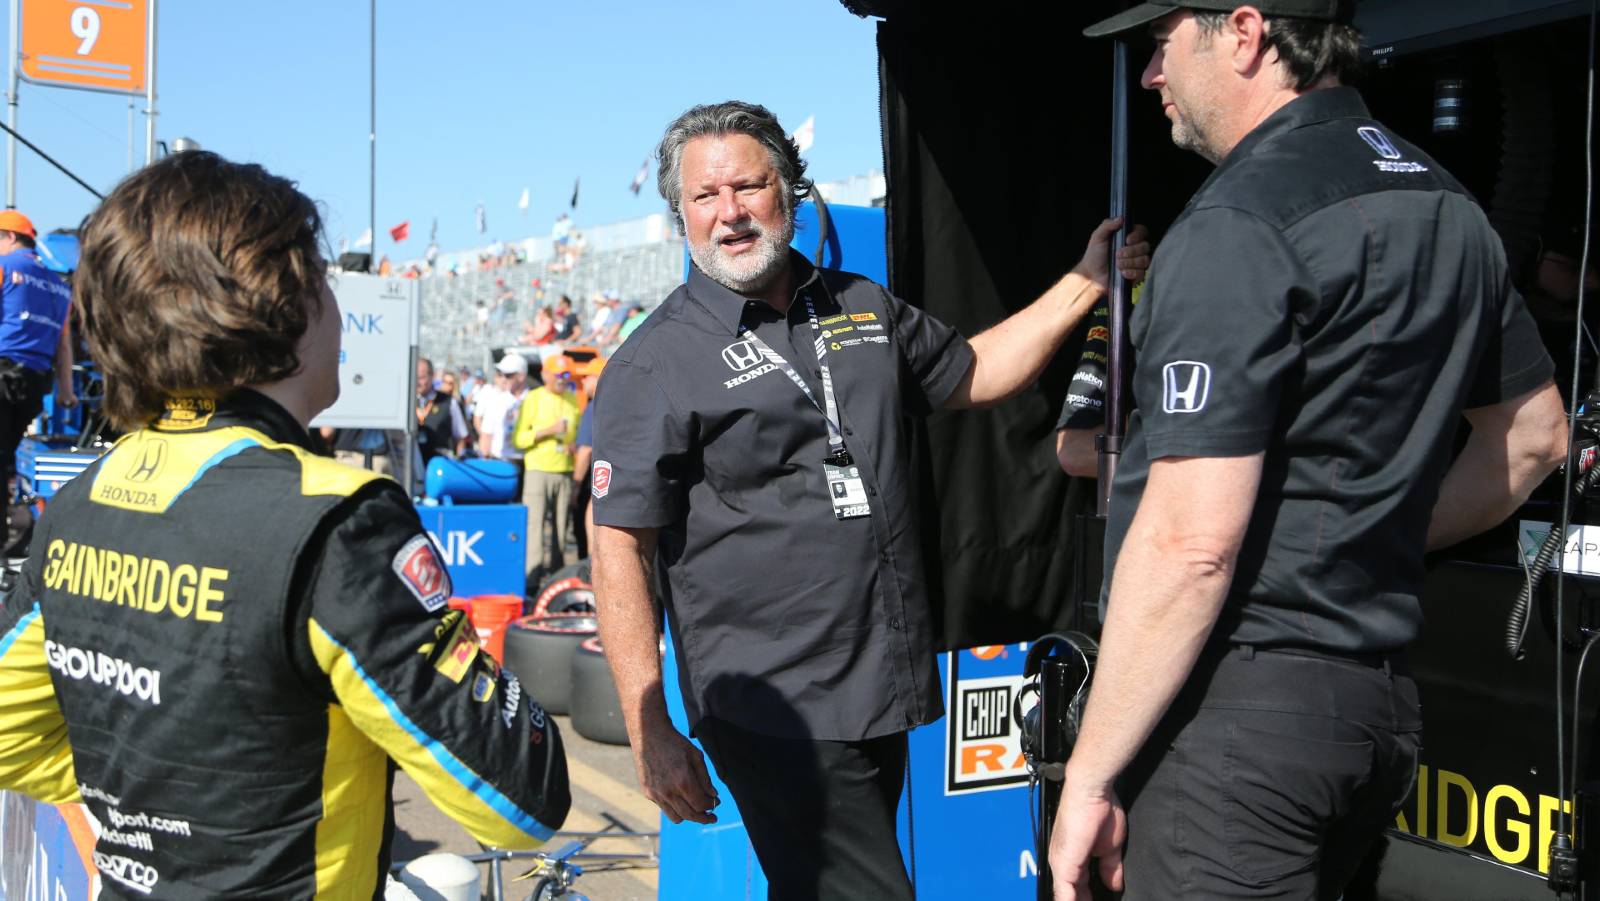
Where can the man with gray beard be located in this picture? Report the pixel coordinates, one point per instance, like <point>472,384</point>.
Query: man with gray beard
<point>752,461</point>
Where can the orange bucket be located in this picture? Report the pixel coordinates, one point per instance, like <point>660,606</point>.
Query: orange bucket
<point>491,613</point>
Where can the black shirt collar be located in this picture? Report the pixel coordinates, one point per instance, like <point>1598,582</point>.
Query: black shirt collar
<point>728,306</point>
<point>1309,108</point>
<point>244,407</point>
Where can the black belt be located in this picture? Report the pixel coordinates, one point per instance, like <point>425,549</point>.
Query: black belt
<point>1386,661</point>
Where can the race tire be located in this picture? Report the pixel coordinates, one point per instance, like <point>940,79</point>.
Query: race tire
<point>596,709</point>
<point>579,570</point>
<point>571,595</point>
<point>568,590</point>
<point>538,651</point>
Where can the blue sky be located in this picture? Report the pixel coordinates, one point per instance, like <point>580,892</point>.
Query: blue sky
<point>476,101</point>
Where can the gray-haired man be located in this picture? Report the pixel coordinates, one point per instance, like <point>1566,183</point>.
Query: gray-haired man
<point>750,446</point>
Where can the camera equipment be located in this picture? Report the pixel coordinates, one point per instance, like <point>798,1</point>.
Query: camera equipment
<point>1585,452</point>
<point>1049,729</point>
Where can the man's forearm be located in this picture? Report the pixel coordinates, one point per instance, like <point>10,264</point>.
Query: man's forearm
<point>629,623</point>
<point>1009,356</point>
<point>1172,575</point>
<point>1163,605</point>
<point>1513,446</point>
<point>1480,490</point>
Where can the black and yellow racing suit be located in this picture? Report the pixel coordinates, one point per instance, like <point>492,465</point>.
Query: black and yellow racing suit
<point>220,641</point>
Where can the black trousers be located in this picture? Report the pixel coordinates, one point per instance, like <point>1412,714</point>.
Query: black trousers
<point>22,392</point>
<point>820,814</point>
<point>1271,777</point>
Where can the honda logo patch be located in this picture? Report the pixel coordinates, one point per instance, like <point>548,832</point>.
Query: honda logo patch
<point>1185,386</point>
<point>601,481</point>
<point>1390,155</point>
<point>741,355</point>
<point>418,566</point>
<point>1379,142</point>
<point>150,461</point>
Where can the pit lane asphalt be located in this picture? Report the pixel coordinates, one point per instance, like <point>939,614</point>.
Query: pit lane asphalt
<point>605,797</point>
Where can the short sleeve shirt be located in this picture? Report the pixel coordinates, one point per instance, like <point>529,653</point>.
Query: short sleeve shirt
<point>1332,299</point>
<point>785,620</point>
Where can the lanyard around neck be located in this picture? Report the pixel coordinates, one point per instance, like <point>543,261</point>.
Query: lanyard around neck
<point>829,408</point>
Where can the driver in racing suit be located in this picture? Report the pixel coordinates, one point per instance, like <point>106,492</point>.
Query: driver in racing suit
<point>220,641</point>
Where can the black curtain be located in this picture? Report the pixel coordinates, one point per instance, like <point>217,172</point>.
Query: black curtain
<point>997,156</point>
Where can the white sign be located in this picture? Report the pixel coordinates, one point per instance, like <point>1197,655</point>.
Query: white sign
<point>379,325</point>
<point>1580,557</point>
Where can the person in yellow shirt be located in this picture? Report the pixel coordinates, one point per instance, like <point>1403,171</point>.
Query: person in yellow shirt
<point>547,431</point>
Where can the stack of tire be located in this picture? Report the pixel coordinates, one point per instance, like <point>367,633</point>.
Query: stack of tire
<point>555,652</point>
<point>596,709</point>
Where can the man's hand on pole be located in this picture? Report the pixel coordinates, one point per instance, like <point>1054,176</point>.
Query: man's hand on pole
<point>1133,259</point>
<point>1090,825</point>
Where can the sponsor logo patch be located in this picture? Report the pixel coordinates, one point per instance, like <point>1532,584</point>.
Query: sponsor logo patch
<point>482,687</point>
<point>508,710</point>
<point>150,461</point>
<point>750,376</point>
<point>1381,145</point>
<point>138,877</point>
<point>1186,386</point>
<point>741,355</point>
<point>600,483</point>
<point>185,413</point>
<point>459,650</point>
<point>104,670</point>
<point>863,317</point>
<point>419,567</point>
<point>1099,333</point>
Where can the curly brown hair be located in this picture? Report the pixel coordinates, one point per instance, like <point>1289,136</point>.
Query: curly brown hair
<point>197,276</point>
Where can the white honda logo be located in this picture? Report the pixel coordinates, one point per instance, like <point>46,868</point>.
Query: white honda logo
<point>1379,141</point>
<point>1187,384</point>
<point>741,355</point>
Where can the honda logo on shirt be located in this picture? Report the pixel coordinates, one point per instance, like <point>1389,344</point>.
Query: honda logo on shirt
<point>1379,141</point>
<point>1187,384</point>
<point>741,355</point>
<point>150,461</point>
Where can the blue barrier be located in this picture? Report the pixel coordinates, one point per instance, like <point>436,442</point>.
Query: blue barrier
<point>483,546</point>
<point>964,823</point>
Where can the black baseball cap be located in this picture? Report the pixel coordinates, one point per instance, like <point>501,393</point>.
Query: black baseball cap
<point>1144,13</point>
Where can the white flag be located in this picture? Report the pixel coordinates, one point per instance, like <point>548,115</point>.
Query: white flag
<point>523,203</point>
<point>365,240</point>
<point>344,244</point>
<point>805,134</point>
<point>640,176</point>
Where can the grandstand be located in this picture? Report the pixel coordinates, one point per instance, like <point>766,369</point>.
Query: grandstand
<point>454,332</point>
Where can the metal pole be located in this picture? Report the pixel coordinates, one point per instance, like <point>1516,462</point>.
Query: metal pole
<point>150,91</point>
<point>130,133</point>
<point>372,144</point>
<point>1117,347</point>
<point>411,419</point>
<point>11,105</point>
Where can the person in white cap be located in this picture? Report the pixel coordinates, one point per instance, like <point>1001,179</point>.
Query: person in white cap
<point>497,405</point>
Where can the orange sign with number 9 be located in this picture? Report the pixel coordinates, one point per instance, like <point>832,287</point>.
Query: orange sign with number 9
<point>93,44</point>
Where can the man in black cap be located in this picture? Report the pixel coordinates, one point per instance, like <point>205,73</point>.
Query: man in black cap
<point>1316,323</point>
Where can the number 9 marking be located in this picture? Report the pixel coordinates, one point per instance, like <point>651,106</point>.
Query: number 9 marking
<point>86,25</point>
